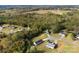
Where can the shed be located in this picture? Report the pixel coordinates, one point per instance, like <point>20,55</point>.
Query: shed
<point>38,42</point>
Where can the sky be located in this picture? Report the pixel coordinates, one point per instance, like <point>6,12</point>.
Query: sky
<point>39,2</point>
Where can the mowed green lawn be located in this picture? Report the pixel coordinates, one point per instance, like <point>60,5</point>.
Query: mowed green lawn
<point>67,44</point>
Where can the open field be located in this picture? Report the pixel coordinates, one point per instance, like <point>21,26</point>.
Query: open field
<point>60,12</point>
<point>16,12</point>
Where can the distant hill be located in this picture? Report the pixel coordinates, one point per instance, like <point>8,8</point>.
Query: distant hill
<point>38,6</point>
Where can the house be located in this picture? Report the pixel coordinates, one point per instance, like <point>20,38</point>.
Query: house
<point>62,34</point>
<point>38,42</point>
<point>5,26</point>
<point>50,45</point>
<point>77,36</point>
<point>1,28</point>
<point>13,27</point>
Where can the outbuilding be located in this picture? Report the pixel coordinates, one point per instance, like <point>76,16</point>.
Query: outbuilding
<point>38,42</point>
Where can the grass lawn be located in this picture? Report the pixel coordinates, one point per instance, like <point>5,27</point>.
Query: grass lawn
<point>42,36</point>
